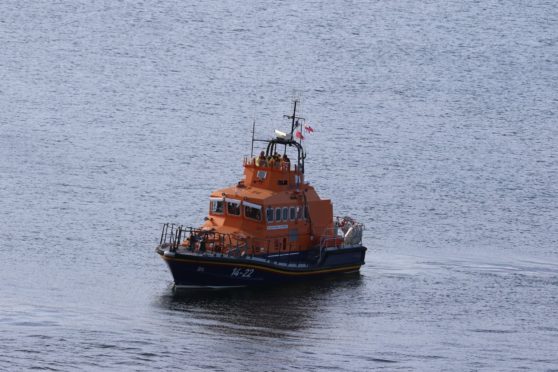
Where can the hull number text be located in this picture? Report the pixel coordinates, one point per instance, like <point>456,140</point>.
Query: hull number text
<point>242,273</point>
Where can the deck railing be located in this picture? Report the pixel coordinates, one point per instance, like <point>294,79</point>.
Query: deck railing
<point>344,233</point>
<point>210,243</point>
<point>277,165</point>
<point>175,236</point>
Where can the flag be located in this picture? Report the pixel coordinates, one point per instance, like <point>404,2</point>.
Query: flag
<point>299,135</point>
<point>308,128</point>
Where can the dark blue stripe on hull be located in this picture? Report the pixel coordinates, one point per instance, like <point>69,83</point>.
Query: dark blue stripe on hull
<point>191,270</point>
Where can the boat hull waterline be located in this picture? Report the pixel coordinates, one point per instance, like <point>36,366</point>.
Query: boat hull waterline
<point>200,271</point>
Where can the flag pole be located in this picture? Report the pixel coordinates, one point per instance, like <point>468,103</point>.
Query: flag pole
<point>294,116</point>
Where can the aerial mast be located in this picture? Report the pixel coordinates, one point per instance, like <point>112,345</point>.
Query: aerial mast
<point>253,130</point>
<point>293,117</point>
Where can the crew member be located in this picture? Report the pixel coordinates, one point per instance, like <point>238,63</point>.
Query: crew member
<point>286,162</point>
<point>261,161</point>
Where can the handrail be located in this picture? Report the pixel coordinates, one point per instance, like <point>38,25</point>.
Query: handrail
<point>345,232</point>
<point>174,236</point>
<point>213,243</point>
<point>281,166</point>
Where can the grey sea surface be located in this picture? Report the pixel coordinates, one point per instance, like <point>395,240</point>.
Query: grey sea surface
<point>435,125</point>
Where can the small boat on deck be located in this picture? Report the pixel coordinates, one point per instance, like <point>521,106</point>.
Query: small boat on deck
<point>271,227</point>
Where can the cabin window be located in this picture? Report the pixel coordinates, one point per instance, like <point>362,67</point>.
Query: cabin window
<point>233,207</point>
<point>298,213</point>
<point>305,212</point>
<point>261,174</point>
<point>216,206</point>
<point>269,214</point>
<point>285,214</point>
<point>293,213</point>
<point>253,213</point>
<point>277,214</point>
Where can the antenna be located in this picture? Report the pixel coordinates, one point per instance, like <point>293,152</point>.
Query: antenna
<point>253,130</point>
<point>294,118</point>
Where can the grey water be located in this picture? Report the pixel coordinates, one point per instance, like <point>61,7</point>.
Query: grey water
<point>435,125</point>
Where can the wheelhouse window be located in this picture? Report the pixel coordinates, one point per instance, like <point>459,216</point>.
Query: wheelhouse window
<point>277,214</point>
<point>216,206</point>
<point>298,213</point>
<point>252,211</point>
<point>261,174</point>
<point>269,214</point>
<point>233,207</point>
<point>285,214</point>
<point>293,213</point>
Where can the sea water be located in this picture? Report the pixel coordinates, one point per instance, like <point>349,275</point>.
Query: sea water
<point>435,125</point>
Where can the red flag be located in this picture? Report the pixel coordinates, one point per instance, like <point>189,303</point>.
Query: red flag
<point>299,135</point>
<point>308,128</point>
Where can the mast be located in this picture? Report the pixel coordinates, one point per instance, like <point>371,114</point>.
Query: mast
<point>253,130</point>
<point>293,117</point>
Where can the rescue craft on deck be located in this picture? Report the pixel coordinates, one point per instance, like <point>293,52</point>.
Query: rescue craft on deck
<point>270,227</point>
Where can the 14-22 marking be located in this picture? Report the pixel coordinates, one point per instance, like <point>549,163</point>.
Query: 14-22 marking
<point>242,273</point>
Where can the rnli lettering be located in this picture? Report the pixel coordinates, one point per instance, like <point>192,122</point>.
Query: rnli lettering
<point>277,227</point>
<point>242,273</point>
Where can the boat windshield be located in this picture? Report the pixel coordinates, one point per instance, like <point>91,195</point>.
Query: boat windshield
<point>216,206</point>
<point>253,212</point>
<point>233,207</point>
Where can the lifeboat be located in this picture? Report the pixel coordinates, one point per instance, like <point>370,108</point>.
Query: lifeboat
<point>270,227</point>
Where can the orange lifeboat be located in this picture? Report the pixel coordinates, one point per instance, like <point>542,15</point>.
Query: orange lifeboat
<point>270,227</point>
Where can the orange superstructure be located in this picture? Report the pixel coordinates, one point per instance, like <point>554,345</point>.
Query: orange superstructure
<point>274,206</point>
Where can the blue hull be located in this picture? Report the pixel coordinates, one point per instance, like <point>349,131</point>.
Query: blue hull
<point>198,270</point>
